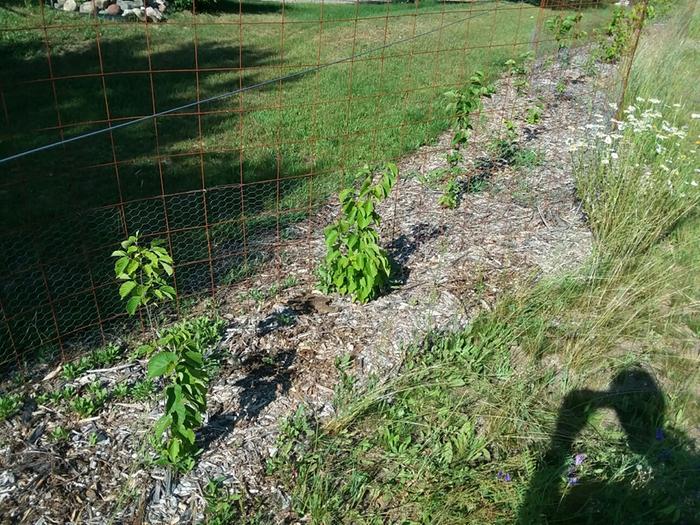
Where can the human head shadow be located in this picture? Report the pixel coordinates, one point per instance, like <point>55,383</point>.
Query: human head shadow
<point>639,404</point>
<point>264,382</point>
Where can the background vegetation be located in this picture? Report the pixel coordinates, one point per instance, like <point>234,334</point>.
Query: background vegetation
<point>292,142</point>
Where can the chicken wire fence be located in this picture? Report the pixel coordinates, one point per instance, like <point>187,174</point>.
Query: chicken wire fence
<point>224,132</point>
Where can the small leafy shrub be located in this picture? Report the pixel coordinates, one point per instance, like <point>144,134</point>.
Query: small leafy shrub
<point>59,434</point>
<point>180,361</point>
<point>142,390</point>
<point>106,356</point>
<point>564,29</point>
<point>462,103</point>
<point>518,70</point>
<point>450,196</point>
<point>102,357</point>
<point>223,506</point>
<point>143,270</point>
<point>121,390</point>
<point>560,87</point>
<point>75,369</point>
<point>533,115</point>
<point>9,405</point>
<point>84,406</point>
<point>355,264</point>
<point>616,40</point>
<point>506,147</point>
<point>92,402</point>
<point>56,396</point>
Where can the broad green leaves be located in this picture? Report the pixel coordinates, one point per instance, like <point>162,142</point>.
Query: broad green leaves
<point>181,361</point>
<point>162,364</point>
<point>143,270</point>
<point>355,264</point>
<point>462,103</point>
<point>564,29</point>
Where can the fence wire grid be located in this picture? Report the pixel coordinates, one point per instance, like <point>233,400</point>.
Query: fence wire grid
<point>298,97</point>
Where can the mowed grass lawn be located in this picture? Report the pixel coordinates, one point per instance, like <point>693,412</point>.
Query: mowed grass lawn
<point>373,109</point>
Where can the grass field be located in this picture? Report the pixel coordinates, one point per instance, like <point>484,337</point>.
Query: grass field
<point>291,142</point>
<point>575,401</point>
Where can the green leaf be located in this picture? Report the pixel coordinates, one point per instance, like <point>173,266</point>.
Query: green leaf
<point>174,450</point>
<point>132,266</point>
<point>120,265</point>
<point>161,364</point>
<point>132,304</point>
<point>168,269</point>
<point>126,288</point>
<point>164,422</point>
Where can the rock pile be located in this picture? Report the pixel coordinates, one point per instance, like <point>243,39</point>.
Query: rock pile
<point>153,10</point>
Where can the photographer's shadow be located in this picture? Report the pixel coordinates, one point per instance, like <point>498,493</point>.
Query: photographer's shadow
<point>661,484</point>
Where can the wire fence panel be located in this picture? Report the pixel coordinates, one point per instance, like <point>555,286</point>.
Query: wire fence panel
<point>223,132</point>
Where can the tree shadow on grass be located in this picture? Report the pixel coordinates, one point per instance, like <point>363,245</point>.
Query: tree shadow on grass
<point>569,487</point>
<point>251,8</point>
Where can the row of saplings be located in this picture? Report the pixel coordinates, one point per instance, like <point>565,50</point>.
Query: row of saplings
<point>355,264</point>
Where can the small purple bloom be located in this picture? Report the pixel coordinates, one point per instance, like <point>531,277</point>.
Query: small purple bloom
<point>579,459</point>
<point>573,480</point>
<point>500,474</point>
<point>507,477</point>
<point>660,434</point>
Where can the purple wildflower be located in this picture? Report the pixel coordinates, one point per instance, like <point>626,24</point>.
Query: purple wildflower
<point>579,459</point>
<point>504,476</point>
<point>573,480</point>
<point>660,434</point>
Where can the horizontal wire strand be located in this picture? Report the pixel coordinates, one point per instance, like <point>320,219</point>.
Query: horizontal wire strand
<point>231,93</point>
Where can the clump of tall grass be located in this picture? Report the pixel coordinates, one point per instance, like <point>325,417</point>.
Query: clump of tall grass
<point>638,177</point>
